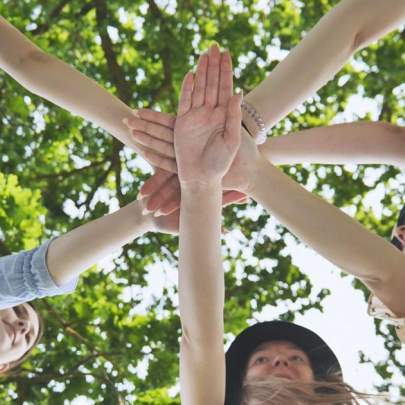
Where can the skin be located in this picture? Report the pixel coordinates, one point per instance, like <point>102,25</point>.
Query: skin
<point>206,140</point>
<point>18,331</point>
<point>279,359</point>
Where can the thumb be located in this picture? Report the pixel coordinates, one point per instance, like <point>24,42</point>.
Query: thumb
<point>233,122</point>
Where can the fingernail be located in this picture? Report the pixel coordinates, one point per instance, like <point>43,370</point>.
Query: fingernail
<point>125,121</point>
<point>145,211</point>
<point>140,196</point>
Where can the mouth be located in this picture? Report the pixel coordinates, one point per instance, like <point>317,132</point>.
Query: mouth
<point>10,332</point>
<point>285,375</point>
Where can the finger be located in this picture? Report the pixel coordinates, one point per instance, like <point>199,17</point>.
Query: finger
<point>157,117</point>
<point>186,93</point>
<point>155,159</point>
<point>243,201</point>
<point>167,192</point>
<point>170,206</point>
<point>200,81</point>
<point>211,91</point>
<point>163,148</point>
<point>160,161</point>
<point>156,130</point>
<point>225,79</point>
<point>232,197</point>
<point>154,183</point>
<point>232,134</point>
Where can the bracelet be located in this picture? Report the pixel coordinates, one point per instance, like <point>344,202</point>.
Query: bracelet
<point>261,136</point>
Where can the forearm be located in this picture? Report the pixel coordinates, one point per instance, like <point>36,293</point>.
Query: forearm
<point>349,143</point>
<point>349,26</point>
<point>58,82</point>
<point>201,276</point>
<point>74,252</point>
<point>325,228</point>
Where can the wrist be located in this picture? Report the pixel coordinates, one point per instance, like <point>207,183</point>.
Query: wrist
<point>190,187</point>
<point>253,122</point>
<point>249,124</point>
<point>261,170</point>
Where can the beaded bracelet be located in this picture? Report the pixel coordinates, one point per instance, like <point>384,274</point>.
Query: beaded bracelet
<point>261,136</point>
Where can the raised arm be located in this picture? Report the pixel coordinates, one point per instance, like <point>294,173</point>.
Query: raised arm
<point>58,82</point>
<point>348,143</point>
<point>74,252</point>
<point>349,26</point>
<point>332,233</point>
<point>205,143</point>
<point>324,227</point>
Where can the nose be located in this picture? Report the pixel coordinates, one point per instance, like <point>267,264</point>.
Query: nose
<point>21,326</point>
<point>280,361</point>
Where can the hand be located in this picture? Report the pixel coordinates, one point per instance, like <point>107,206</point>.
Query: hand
<point>153,133</point>
<point>163,188</point>
<point>170,223</point>
<point>207,127</point>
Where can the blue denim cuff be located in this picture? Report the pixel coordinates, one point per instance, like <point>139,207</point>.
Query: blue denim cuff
<point>43,281</point>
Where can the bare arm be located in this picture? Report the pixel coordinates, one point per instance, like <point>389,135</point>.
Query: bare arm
<point>201,297</point>
<point>206,139</point>
<point>333,234</point>
<point>349,143</point>
<point>74,252</point>
<point>58,82</point>
<point>349,26</point>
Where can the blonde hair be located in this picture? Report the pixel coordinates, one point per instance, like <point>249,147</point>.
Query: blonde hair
<point>279,391</point>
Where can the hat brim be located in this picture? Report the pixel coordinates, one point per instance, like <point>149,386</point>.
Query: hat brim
<point>323,360</point>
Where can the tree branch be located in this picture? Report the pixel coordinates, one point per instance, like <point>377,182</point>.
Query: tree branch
<point>55,13</point>
<point>100,180</point>
<point>165,55</point>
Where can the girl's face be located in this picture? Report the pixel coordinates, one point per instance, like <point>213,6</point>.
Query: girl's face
<point>19,327</point>
<point>280,359</point>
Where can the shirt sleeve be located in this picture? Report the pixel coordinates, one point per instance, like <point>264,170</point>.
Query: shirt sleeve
<point>24,276</point>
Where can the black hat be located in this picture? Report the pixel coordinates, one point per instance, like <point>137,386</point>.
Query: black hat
<point>323,360</point>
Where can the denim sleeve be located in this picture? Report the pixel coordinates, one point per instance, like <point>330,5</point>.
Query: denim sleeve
<point>24,276</point>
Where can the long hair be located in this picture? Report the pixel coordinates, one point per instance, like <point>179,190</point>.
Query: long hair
<point>13,369</point>
<point>279,391</point>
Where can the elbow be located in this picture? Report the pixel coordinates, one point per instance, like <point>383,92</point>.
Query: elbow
<point>35,56</point>
<point>29,60</point>
<point>359,41</point>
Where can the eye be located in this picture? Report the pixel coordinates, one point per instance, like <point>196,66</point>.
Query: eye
<point>297,358</point>
<point>17,311</point>
<point>261,360</point>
